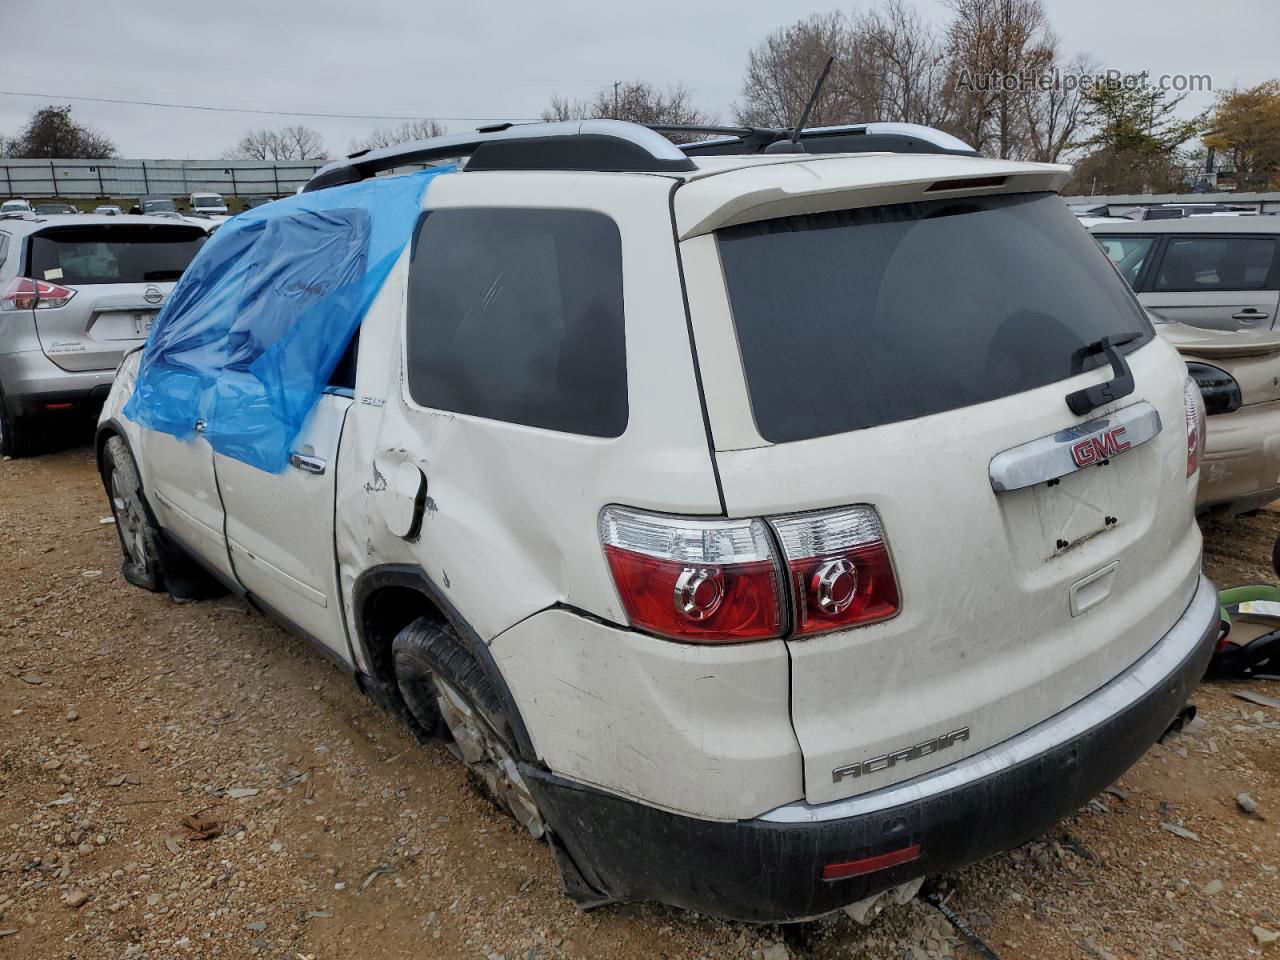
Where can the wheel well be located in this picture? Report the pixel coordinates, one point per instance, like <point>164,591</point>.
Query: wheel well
<point>386,612</point>
<point>105,433</point>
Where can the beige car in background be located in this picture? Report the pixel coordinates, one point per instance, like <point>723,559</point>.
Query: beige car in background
<point>1238,373</point>
<point>1210,285</point>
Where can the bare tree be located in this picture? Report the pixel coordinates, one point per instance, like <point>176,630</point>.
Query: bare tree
<point>901,64</point>
<point>995,48</point>
<point>782,70</point>
<point>1055,111</point>
<point>407,132</point>
<point>635,100</point>
<point>287,143</point>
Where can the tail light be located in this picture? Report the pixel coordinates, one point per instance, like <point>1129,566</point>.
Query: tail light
<point>23,293</point>
<point>720,581</point>
<point>1193,403</point>
<point>701,581</point>
<point>1219,391</point>
<point>841,574</point>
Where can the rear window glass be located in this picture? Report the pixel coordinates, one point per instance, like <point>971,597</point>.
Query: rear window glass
<point>516,315</point>
<point>106,253</point>
<point>856,318</point>
<point>1192,264</point>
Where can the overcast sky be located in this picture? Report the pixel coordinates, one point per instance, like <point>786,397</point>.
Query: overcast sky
<point>485,59</point>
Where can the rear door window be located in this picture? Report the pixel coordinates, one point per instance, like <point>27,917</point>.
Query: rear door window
<point>1209,264</point>
<point>106,253</point>
<point>516,315</point>
<point>1128,253</point>
<point>856,318</point>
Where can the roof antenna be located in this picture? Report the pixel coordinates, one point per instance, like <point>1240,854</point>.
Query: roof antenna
<point>794,145</point>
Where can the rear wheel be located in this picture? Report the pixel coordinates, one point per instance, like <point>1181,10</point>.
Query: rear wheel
<point>446,691</point>
<point>15,432</point>
<point>139,540</point>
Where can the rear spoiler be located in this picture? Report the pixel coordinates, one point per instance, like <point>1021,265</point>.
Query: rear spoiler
<point>839,183</point>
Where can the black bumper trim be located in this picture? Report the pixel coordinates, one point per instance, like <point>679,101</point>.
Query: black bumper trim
<point>37,404</point>
<point>770,871</point>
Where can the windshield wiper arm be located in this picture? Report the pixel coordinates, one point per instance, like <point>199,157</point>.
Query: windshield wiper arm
<point>1081,402</point>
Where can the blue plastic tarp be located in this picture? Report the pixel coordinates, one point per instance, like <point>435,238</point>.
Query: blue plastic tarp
<point>254,328</point>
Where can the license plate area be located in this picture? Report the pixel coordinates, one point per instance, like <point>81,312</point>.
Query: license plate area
<point>123,324</point>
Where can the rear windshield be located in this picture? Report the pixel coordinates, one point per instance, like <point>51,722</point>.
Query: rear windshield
<point>151,206</point>
<point>105,253</point>
<point>206,202</point>
<point>862,317</point>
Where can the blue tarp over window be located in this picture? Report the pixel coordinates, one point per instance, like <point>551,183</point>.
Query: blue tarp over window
<point>261,317</point>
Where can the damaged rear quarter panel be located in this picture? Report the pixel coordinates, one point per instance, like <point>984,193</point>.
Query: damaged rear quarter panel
<point>510,511</point>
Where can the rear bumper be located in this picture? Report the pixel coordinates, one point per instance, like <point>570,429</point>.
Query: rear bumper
<point>769,869</point>
<point>32,382</point>
<point>1241,466</point>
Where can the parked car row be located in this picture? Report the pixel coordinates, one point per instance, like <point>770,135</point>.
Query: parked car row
<point>206,205</point>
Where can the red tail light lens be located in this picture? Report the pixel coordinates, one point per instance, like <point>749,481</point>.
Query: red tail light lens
<point>24,293</point>
<point>701,581</point>
<point>841,573</point>
<point>1193,403</point>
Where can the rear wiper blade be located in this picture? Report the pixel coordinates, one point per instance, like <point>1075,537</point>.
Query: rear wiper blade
<point>1083,401</point>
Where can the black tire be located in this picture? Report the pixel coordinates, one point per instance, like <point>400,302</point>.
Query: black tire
<point>426,648</point>
<point>426,652</point>
<point>139,539</point>
<point>1275,556</point>
<point>17,439</point>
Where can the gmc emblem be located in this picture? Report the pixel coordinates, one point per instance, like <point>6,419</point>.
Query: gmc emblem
<point>1095,449</point>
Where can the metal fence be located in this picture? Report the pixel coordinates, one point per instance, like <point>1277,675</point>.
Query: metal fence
<point>89,179</point>
<point>1258,202</point>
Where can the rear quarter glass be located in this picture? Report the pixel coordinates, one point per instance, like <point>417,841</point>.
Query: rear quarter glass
<point>517,315</point>
<point>857,318</point>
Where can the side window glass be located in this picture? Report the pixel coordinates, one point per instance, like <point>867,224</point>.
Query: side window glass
<point>516,315</point>
<point>4,247</point>
<point>1206,264</point>
<point>1128,254</point>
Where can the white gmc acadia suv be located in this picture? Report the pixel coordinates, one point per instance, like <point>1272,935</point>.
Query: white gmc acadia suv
<point>769,522</point>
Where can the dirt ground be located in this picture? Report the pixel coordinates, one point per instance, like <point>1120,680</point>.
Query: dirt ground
<point>316,828</point>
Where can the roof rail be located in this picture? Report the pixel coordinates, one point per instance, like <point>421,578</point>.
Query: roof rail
<point>619,146</point>
<point>603,145</point>
<point>849,138</point>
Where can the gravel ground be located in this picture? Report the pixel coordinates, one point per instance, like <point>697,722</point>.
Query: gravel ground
<point>188,780</point>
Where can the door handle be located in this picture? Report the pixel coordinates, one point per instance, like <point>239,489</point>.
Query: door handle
<point>307,464</point>
<point>1250,313</point>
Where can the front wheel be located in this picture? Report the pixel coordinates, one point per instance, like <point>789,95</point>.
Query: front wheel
<point>443,686</point>
<point>139,539</point>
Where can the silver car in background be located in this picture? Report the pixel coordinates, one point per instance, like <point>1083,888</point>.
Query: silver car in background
<point>1221,273</point>
<point>76,294</point>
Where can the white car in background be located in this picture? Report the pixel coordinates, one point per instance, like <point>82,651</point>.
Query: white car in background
<point>208,204</point>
